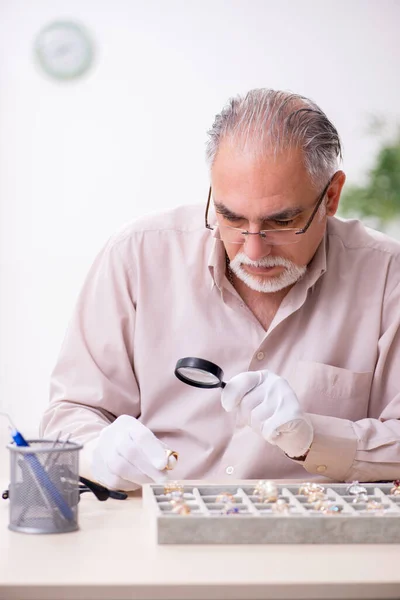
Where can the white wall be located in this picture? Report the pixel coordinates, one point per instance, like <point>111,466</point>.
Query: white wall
<point>77,160</point>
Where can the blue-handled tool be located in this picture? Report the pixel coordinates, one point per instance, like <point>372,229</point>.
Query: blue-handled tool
<point>40,475</point>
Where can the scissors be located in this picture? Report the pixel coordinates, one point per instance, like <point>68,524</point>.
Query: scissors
<point>85,485</point>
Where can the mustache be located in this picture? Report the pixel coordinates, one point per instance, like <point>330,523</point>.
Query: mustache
<point>266,261</point>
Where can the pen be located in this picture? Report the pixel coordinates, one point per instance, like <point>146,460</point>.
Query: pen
<point>40,474</point>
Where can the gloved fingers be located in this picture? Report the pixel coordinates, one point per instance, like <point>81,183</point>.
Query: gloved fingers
<point>172,462</point>
<point>140,472</point>
<point>261,413</point>
<point>237,387</point>
<point>282,392</point>
<point>144,446</point>
<point>108,472</point>
<point>148,469</point>
<point>294,438</point>
<point>128,453</point>
<point>134,456</point>
<point>249,404</point>
<point>241,420</point>
<point>124,476</point>
<point>281,407</point>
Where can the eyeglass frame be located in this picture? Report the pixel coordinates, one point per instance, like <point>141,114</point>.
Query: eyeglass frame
<point>266,231</point>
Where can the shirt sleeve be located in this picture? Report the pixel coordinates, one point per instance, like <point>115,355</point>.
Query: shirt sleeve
<point>93,381</point>
<point>369,449</point>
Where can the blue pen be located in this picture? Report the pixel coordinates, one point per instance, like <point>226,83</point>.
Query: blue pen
<point>40,474</point>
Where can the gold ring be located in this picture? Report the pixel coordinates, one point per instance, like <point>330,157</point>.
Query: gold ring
<point>267,491</point>
<point>173,488</point>
<point>395,491</point>
<point>280,506</point>
<point>181,509</point>
<point>316,496</point>
<point>308,488</point>
<point>169,454</point>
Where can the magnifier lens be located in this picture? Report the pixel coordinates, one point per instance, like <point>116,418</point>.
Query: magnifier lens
<point>198,375</point>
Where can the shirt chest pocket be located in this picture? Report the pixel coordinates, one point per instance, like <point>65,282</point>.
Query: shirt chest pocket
<point>326,390</point>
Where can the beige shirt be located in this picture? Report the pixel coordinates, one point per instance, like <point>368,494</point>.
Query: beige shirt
<point>158,292</point>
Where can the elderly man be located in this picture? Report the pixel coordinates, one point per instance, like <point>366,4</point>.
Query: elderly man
<point>300,309</point>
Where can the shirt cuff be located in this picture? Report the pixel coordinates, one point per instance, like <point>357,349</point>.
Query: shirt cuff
<point>333,448</point>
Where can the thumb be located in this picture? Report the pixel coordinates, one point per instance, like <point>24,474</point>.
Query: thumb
<point>239,386</point>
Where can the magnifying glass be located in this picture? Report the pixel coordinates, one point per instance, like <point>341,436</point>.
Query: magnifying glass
<point>199,373</point>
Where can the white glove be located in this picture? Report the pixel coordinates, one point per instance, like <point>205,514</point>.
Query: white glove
<point>127,454</point>
<point>267,403</point>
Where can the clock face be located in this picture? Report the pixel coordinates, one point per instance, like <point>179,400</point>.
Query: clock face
<point>64,50</point>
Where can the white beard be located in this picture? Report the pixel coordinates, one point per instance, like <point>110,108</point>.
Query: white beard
<point>262,283</point>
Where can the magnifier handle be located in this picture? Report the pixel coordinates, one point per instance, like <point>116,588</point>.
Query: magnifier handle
<point>223,384</point>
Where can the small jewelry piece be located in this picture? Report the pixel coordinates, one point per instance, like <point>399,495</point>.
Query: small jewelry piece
<point>230,509</point>
<point>316,497</point>
<point>355,488</point>
<point>319,505</point>
<point>331,508</point>
<point>375,506</point>
<point>176,500</point>
<point>303,489</point>
<point>181,508</point>
<point>280,506</point>
<point>360,498</point>
<point>267,491</point>
<point>169,454</point>
<point>308,488</point>
<point>175,496</point>
<point>173,486</point>
<point>395,491</point>
<point>225,498</point>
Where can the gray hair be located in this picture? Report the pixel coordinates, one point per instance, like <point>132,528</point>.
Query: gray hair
<point>266,120</point>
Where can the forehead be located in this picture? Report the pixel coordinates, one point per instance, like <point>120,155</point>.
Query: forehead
<point>252,186</point>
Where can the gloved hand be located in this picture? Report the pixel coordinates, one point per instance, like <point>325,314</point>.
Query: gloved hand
<point>267,403</point>
<point>127,454</point>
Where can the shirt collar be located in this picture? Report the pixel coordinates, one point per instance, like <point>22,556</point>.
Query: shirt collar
<point>317,265</point>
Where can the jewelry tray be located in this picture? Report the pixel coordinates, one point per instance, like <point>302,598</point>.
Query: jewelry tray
<point>256,523</point>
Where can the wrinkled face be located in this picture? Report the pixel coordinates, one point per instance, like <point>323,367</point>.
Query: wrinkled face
<point>262,194</point>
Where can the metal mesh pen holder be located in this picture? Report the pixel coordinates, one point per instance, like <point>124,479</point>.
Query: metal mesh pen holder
<point>44,487</point>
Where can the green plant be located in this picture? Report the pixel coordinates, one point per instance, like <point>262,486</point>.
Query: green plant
<point>380,196</point>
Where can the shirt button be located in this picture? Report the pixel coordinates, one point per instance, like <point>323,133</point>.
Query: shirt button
<point>229,470</point>
<point>321,468</point>
<point>260,355</point>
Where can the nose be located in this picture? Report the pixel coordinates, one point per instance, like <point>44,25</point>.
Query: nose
<point>256,248</point>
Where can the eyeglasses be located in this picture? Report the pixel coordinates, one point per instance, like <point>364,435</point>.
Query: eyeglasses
<point>270,237</point>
